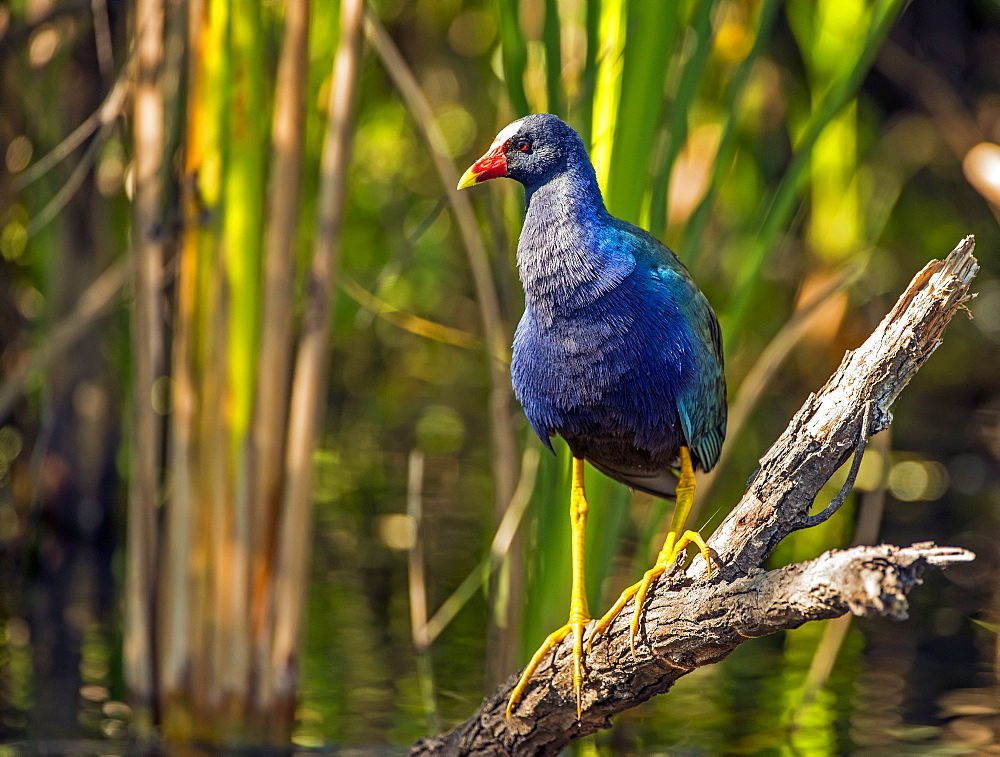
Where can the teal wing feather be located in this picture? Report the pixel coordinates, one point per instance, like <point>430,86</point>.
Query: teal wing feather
<point>703,406</point>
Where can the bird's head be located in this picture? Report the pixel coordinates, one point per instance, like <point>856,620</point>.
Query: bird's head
<point>531,150</point>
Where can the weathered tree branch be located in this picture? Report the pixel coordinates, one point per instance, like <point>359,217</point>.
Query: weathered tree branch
<point>690,621</point>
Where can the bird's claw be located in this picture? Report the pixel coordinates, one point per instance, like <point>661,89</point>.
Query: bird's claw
<point>638,591</point>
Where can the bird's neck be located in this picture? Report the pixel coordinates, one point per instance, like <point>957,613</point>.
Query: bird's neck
<point>562,256</point>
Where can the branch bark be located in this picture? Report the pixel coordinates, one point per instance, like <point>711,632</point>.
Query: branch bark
<point>690,622</point>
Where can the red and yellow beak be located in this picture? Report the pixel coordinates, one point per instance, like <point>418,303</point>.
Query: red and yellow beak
<point>492,165</point>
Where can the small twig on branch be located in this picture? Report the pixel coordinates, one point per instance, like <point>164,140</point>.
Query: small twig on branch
<point>852,475</point>
<point>690,622</point>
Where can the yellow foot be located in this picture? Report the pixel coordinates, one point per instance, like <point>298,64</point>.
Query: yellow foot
<point>576,626</point>
<point>665,560</point>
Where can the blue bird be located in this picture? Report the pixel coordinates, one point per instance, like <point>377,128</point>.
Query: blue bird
<point>618,352</point>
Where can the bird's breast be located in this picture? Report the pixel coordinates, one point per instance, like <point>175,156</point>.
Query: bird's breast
<point>613,367</point>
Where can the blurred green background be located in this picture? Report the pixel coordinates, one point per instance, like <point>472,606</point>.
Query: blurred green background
<point>804,158</point>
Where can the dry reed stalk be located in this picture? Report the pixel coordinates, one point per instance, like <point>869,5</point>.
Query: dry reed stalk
<point>260,488</point>
<point>278,687</point>
<point>148,357</point>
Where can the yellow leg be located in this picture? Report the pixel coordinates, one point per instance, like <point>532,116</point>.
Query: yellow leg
<point>579,616</point>
<point>672,546</point>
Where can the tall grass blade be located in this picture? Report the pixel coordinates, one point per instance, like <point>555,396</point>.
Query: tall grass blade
<point>548,544</point>
<point>610,42</point>
<point>694,229</point>
<point>553,58</point>
<point>652,36</point>
<point>694,70</point>
<point>782,201</point>
<point>515,56</point>
<point>583,113</point>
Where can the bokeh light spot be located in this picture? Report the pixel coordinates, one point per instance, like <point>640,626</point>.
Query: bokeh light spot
<point>29,301</point>
<point>396,531</point>
<point>982,168</point>
<point>111,168</point>
<point>472,32</point>
<point>459,130</point>
<point>916,480</point>
<point>440,430</point>
<point>159,395</point>
<point>19,153</point>
<point>10,443</point>
<point>13,240</point>
<point>43,45</point>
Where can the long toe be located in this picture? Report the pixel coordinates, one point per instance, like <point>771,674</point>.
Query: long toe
<point>640,599</point>
<point>577,627</point>
<point>608,618</point>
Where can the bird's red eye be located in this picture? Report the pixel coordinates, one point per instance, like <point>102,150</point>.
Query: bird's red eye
<point>523,145</point>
